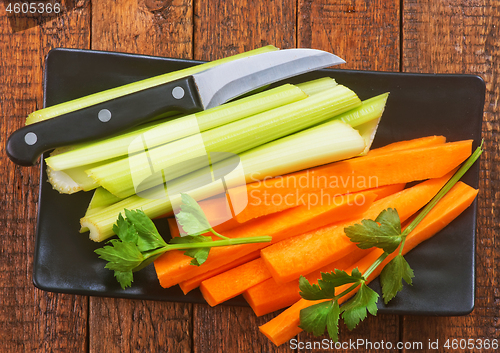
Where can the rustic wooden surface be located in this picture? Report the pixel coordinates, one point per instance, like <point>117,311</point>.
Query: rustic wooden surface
<point>454,36</point>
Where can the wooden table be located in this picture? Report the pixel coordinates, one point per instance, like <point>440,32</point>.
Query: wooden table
<point>451,36</point>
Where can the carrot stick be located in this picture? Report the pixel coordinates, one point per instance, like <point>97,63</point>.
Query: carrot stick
<point>216,289</point>
<point>285,326</point>
<point>217,212</point>
<point>263,202</point>
<point>269,296</point>
<point>191,283</point>
<point>174,267</point>
<point>174,229</point>
<point>408,144</point>
<point>272,203</point>
<point>271,196</point>
<point>231,283</point>
<point>289,259</point>
<point>195,282</point>
<point>400,166</point>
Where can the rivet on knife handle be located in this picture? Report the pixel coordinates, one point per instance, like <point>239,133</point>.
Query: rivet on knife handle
<point>28,143</point>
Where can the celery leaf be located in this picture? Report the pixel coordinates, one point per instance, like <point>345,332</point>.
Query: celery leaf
<point>384,232</point>
<point>191,217</point>
<point>125,230</point>
<point>325,289</point>
<point>332,321</point>
<point>121,256</point>
<point>125,278</point>
<point>392,277</point>
<point>339,277</point>
<point>355,309</point>
<point>148,236</point>
<point>316,317</point>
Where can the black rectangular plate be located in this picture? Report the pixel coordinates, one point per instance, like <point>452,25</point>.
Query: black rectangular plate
<point>418,105</point>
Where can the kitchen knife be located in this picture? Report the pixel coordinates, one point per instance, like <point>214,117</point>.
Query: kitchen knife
<point>200,91</point>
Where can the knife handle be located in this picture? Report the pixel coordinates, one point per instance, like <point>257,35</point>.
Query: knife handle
<point>25,145</point>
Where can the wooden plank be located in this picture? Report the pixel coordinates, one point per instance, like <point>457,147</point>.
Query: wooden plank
<point>30,319</point>
<point>150,27</point>
<point>462,37</point>
<point>162,28</point>
<point>364,33</point>
<point>229,27</point>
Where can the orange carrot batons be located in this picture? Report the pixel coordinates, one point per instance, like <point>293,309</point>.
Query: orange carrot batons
<point>269,296</point>
<point>174,267</point>
<point>192,283</point>
<point>284,326</point>
<point>310,251</point>
<point>236,280</point>
<point>231,283</point>
<point>408,144</point>
<point>263,202</point>
<point>400,166</point>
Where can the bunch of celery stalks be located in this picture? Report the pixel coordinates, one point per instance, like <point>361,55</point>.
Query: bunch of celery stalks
<point>274,132</point>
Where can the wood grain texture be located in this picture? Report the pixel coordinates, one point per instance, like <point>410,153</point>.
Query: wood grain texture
<point>230,329</point>
<point>149,27</point>
<point>229,27</point>
<point>462,37</point>
<point>30,319</point>
<point>162,28</point>
<point>365,33</point>
<point>139,326</point>
<point>454,36</point>
<point>382,328</point>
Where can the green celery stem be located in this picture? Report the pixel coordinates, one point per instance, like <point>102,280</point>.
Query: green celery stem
<point>225,242</point>
<point>375,265</point>
<point>347,291</point>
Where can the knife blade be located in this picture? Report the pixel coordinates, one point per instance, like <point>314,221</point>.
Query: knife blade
<point>190,94</point>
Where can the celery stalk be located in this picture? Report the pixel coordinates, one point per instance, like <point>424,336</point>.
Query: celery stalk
<point>176,129</point>
<point>95,151</point>
<point>183,156</point>
<point>366,118</point>
<point>71,180</point>
<point>370,109</point>
<point>317,86</point>
<point>66,159</point>
<point>100,200</point>
<point>322,144</point>
<point>288,154</point>
<point>109,94</point>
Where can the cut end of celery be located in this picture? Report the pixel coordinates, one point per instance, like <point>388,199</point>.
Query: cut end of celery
<point>368,131</point>
<point>62,182</point>
<point>70,181</point>
<point>95,234</point>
